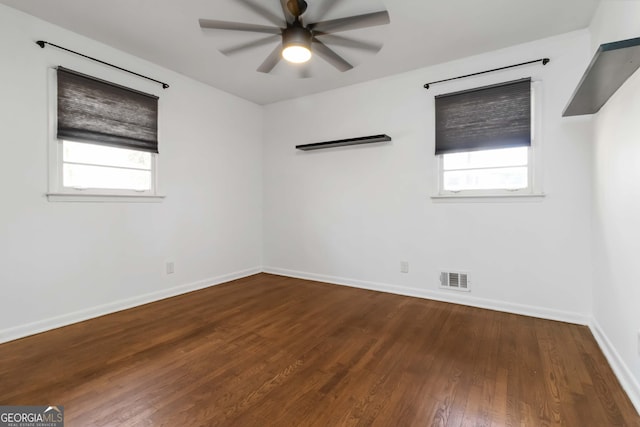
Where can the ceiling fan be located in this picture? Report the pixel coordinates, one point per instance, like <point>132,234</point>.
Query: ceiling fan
<point>297,40</point>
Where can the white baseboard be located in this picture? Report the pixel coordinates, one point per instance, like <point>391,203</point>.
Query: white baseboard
<point>627,380</point>
<point>25,330</point>
<point>444,296</point>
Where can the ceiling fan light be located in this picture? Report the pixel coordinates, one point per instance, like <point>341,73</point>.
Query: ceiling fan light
<point>296,53</point>
<point>296,43</point>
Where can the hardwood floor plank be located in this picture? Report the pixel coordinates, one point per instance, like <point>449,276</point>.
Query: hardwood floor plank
<point>275,351</point>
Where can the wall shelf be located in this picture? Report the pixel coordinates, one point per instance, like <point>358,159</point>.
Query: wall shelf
<point>344,142</point>
<point>610,67</point>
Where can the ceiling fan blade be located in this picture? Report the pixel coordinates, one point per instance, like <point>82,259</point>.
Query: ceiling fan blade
<point>249,45</point>
<point>351,22</point>
<point>324,8</point>
<point>263,11</point>
<point>349,42</point>
<point>238,26</point>
<point>329,55</point>
<point>272,60</point>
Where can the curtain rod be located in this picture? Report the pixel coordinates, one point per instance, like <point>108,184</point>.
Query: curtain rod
<point>544,61</point>
<point>42,44</point>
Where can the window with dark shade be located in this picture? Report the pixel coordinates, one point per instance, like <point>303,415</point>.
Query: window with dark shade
<point>490,117</point>
<point>95,111</point>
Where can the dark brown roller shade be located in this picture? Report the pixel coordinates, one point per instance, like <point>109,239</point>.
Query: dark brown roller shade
<point>497,116</point>
<point>93,110</point>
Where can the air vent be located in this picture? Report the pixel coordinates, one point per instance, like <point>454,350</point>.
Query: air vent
<point>454,281</point>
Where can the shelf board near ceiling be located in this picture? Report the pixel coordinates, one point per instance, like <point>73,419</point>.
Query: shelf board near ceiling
<point>344,142</point>
<point>611,66</point>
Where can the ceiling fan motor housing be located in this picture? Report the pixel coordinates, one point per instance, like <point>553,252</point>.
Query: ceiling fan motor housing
<point>296,35</point>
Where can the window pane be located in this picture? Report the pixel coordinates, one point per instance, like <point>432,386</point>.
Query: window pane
<point>486,179</point>
<point>78,152</point>
<point>517,156</point>
<point>82,176</point>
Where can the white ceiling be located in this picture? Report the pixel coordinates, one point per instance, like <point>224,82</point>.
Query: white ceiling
<point>421,33</point>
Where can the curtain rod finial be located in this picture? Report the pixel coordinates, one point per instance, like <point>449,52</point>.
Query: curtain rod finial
<point>165,86</point>
<point>545,61</point>
<point>426,86</point>
<point>41,43</point>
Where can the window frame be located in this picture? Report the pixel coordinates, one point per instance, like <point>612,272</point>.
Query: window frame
<point>57,192</point>
<point>534,187</point>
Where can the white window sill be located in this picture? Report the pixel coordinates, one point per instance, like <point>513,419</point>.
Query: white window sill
<point>481,198</point>
<point>104,198</point>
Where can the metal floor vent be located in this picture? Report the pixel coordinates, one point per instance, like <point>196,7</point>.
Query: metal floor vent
<point>455,281</point>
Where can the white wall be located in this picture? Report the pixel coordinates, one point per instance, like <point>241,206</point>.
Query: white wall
<point>617,206</point>
<point>61,262</point>
<point>615,20</point>
<point>350,215</point>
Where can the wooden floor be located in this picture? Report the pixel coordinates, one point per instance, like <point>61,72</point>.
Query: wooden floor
<point>275,351</point>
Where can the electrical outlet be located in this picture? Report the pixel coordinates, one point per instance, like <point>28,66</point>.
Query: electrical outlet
<point>170,267</point>
<point>404,266</point>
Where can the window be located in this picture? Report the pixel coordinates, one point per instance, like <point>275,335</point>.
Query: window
<point>484,140</point>
<point>106,139</point>
<point>96,166</point>
<point>504,169</point>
